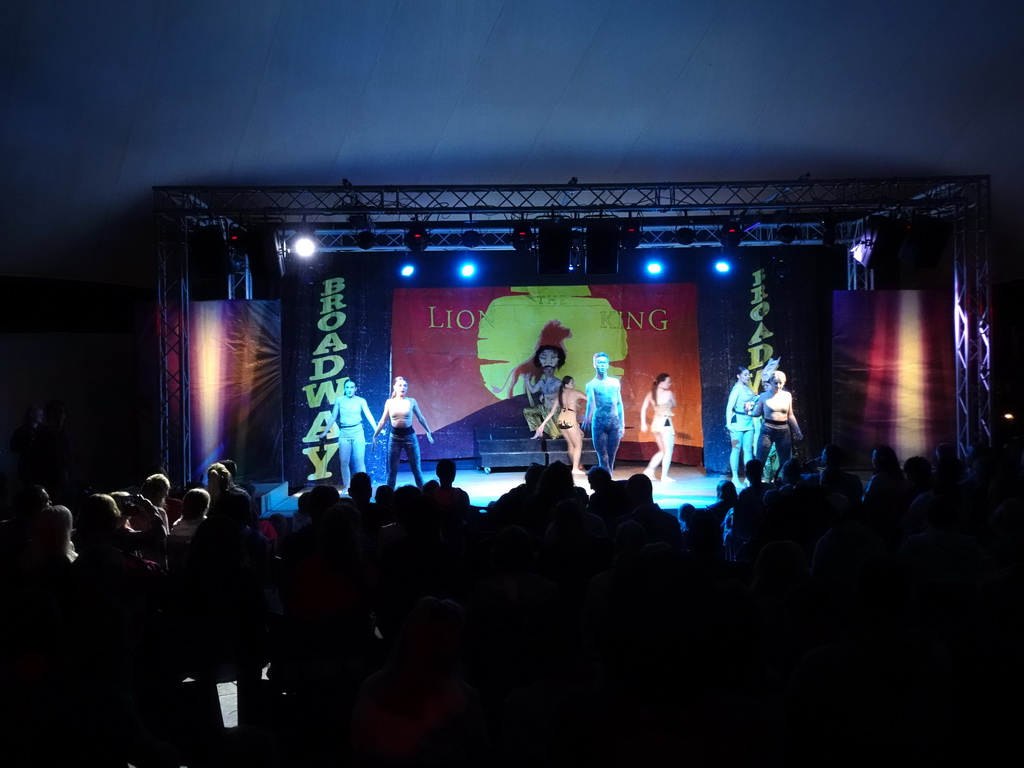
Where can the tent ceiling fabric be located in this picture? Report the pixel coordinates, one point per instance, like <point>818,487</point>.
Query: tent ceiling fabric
<point>104,100</point>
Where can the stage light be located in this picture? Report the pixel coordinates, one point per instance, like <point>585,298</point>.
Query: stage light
<point>470,239</point>
<point>522,237</point>
<point>630,236</point>
<point>828,232</point>
<point>786,234</point>
<point>468,269</point>
<point>685,236</point>
<point>654,267</point>
<point>303,245</point>
<point>730,235</point>
<point>880,243</point>
<point>722,267</point>
<point>365,239</point>
<point>416,238</point>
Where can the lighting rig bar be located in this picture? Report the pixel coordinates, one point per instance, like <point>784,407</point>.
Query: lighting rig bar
<point>525,199</point>
<point>446,236</point>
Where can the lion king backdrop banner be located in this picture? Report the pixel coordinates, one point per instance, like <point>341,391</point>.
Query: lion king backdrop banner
<point>467,351</point>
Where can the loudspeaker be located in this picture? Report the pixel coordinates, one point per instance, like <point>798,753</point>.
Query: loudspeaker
<point>554,247</point>
<point>925,241</point>
<point>602,244</point>
<point>259,243</point>
<point>207,253</point>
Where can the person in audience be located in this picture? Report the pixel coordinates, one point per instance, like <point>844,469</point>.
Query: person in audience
<point>418,710</point>
<point>194,507</point>
<point>22,439</point>
<point>50,457</point>
<point>888,483</point>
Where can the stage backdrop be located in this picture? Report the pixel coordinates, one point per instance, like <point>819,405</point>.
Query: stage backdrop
<point>235,392</point>
<point>464,352</point>
<point>895,374</point>
<point>463,348</point>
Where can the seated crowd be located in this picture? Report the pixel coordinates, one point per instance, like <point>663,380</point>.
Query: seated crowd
<point>812,620</point>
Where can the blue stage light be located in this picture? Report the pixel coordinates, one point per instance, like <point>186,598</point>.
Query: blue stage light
<point>407,270</point>
<point>467,270</point>
<point>722,267</point>
<point>654,267</point>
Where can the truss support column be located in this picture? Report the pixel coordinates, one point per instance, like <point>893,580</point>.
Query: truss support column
<point>972,319</point>
<point>172,331</point>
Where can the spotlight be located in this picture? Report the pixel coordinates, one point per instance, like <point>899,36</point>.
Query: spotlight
<point>468,269</point>
<point>304,244</point>
<point>722,267</point>
<point>786,234</point>
<point>828,232</point>
<point>880,243</point>
<point>685,236</point>
<point>407,270</point>
<point>654,267</point>
<point>630,236</point>
<point>730,235</point>
<point>522,237</point>
<point>365,239</point>
<point>470,239</point>
<point>416,238</point>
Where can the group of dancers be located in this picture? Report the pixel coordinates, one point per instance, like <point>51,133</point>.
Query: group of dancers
<point>400,410</point>
<point>767,420</point>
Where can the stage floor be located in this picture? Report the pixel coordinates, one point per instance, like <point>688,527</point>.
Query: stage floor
<point>691,484</point>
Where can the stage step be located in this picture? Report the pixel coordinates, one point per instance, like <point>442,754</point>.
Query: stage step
<point>500,460</point>
<point>513,447</point>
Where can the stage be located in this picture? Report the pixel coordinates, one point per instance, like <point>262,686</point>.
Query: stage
<point>691,486</point>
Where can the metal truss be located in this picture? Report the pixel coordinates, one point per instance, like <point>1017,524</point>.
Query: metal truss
<point>817,211</point>
<point>323,203</point>
<point>653,233</point>
<point>972,319</point>
<point>173,333</point>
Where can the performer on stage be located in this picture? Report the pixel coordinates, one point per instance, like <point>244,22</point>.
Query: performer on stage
<point>549,359</point>
<point>660,398</point>
<point>604,406</point>
<point>780,427</point>
<point>771,464</point>
<point>739,422</point>
<point>348,413</point>
<point>401,409</point>
<point>567,404</point>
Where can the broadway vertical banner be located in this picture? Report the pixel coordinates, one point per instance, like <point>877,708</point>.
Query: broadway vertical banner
<point>336,327</point>
<point>775,303</point>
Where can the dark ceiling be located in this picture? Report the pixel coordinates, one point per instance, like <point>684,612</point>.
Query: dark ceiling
<point>103,100</point>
